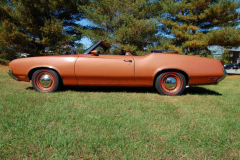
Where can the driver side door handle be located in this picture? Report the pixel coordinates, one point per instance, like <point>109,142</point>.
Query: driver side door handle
<point>127,60</point>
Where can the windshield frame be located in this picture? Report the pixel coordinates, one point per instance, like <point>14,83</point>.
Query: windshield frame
<point>92,47</point>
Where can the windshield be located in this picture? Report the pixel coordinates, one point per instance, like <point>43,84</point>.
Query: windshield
<point>88,48</point>
<point>92,47</point>
<point>100,46</point>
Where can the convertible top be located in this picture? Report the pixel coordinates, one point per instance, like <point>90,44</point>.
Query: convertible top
<point>164,51</point>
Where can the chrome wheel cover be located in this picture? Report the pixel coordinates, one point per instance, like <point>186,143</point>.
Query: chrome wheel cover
<point>45,80</point>
<point>170,82</point>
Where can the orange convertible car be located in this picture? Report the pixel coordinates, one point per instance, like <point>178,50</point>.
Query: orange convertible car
<point>167,71</point>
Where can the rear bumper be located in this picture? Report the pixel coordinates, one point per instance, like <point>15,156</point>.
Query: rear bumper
<point>224,76</point>
<point>11,74</point>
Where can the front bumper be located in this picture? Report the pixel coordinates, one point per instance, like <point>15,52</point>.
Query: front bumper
<point>11,74</point>
<point>224,76</point>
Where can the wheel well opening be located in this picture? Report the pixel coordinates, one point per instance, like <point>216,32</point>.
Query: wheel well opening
<point>172,70</point>
<point>34,69</point>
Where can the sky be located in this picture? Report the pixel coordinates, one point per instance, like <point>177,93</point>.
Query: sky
<point>86,42</point>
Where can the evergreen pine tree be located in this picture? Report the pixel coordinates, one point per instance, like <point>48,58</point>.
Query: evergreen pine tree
<point>129,25</point>
<point>31,26</point>
<point>195,24</point>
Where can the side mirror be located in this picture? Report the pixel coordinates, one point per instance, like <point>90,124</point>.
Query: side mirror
<point>94,52</point>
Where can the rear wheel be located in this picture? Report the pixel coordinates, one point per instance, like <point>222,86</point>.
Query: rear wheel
<point>45,80</point>
<point>170,83</point>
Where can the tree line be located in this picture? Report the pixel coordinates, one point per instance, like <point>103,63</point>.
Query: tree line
<point>188,26</point>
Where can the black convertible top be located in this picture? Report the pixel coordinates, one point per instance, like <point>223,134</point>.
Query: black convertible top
<point>164,51</point>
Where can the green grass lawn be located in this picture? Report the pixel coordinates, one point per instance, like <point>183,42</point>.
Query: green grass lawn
<point>119,123</point>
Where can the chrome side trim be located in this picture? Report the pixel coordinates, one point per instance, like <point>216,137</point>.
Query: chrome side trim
<point>225,74</point>
<point>11,74</point>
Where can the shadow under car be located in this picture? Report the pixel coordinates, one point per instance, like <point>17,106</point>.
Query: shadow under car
<point>190,90</point>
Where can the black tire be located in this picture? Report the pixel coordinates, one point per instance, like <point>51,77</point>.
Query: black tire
<point>165,83</point>
<point>45,80</point>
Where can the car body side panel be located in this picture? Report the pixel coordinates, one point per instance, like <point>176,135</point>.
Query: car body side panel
<point>64,65</point>
<point>104,70</point>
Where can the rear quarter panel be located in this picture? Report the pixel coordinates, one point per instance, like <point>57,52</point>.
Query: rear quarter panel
<point>198,69</point>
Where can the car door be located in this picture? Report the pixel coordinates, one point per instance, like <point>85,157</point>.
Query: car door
<point>104,69</point>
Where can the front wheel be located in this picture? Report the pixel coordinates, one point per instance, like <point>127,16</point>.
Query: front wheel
<point>45,80</point>
<point>170,83</point>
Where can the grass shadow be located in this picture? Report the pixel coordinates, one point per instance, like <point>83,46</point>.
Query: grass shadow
<point>110,89</point>
<point>200,91</point>
<point>105,89</point>
<point>190,90</point>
